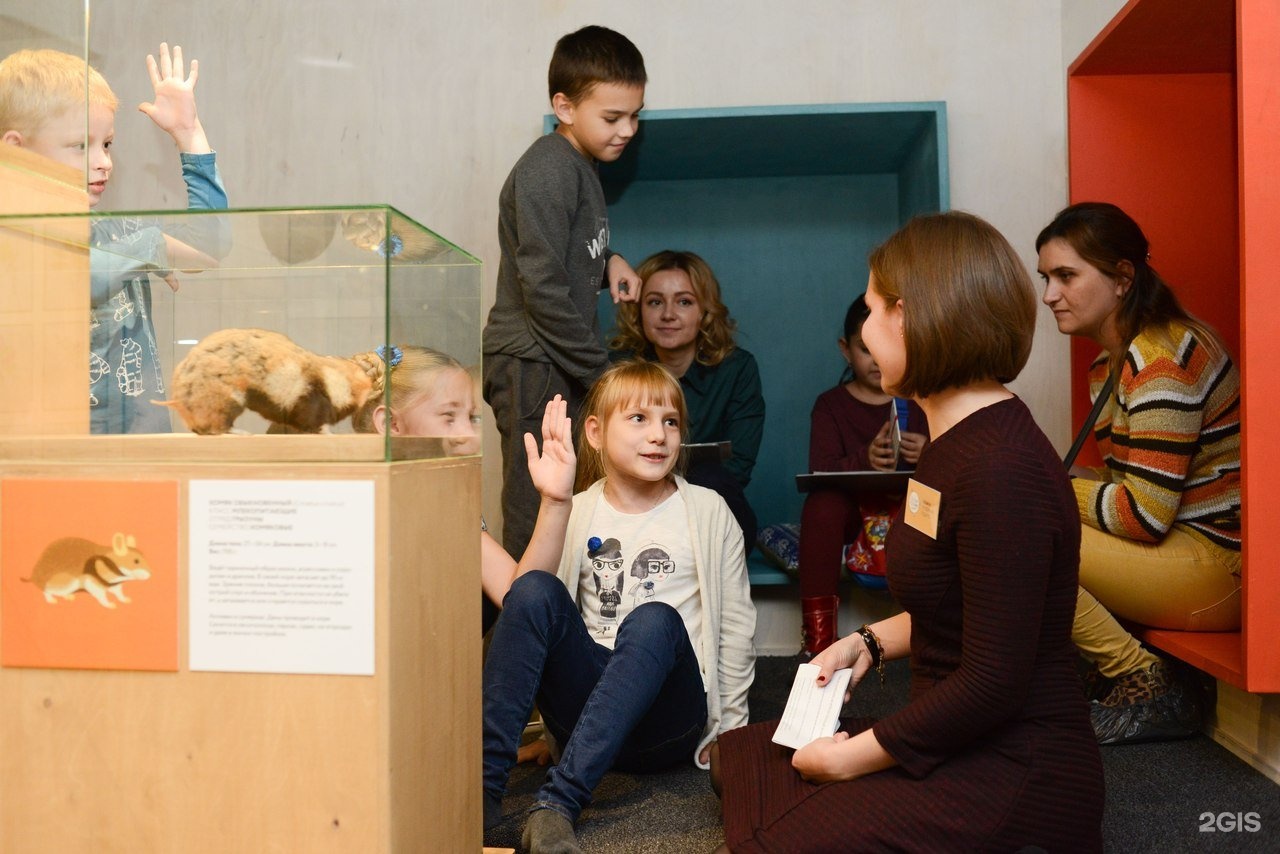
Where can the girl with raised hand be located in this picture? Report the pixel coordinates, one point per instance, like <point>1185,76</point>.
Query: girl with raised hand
<point>633,682</point>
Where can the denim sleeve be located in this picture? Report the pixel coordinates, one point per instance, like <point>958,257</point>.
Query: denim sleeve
<point>204,183</point>
<point>209,234</point>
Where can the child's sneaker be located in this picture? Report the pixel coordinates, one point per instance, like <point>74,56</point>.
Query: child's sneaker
<point>548,832</point>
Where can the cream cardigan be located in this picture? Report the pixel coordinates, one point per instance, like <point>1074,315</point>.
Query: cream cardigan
<point>727,650</point>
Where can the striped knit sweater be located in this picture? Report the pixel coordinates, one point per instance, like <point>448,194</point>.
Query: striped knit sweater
<point>1170,438</point>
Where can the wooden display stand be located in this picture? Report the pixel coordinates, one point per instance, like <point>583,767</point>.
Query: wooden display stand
<point>1174,115</point>
<point>104,760</point>
<point>98,761</point>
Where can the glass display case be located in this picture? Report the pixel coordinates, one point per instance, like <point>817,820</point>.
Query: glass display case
<point>275,323</point>
<point>61,25</point>
<point>240,334</point>
<point>55,24</point>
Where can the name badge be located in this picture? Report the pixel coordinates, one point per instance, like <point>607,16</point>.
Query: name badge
<point>921,508</point>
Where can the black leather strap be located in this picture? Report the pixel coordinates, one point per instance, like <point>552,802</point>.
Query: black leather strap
<point>1087,428</point>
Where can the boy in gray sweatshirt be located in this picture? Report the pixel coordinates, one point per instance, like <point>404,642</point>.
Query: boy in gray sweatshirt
<point>542,337</point>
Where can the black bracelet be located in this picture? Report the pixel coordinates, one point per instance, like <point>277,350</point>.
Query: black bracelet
<point>874,649</point>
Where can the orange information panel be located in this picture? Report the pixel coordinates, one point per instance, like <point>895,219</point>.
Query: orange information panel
<point>88,574</point>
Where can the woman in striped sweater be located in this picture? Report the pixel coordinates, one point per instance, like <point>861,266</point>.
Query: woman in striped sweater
<point>1160,542</point>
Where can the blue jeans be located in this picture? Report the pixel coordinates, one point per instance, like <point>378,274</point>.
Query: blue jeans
<point>638,707</point>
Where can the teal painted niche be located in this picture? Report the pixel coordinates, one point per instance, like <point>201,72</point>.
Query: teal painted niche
<point>784,203</point>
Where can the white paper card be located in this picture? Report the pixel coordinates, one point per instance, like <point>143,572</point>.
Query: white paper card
<point>812,712</point>
<point>281,576</point>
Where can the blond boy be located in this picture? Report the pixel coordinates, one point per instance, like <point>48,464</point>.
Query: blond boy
<point>43,98</point>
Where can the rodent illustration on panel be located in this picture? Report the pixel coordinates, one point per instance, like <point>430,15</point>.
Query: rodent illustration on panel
<point>72,564</point>
<point>89,573</point>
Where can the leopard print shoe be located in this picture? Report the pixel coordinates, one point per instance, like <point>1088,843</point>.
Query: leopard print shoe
<point>1154,704</point>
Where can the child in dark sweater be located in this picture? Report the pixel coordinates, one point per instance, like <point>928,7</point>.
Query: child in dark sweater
<point>850,431</point>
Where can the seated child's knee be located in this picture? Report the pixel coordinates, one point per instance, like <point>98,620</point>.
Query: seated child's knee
<point>653,618</point>
<point>531,588</point>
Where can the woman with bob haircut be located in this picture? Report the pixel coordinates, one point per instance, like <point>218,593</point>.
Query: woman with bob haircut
<point>680,321</point>
<point>1160,543</point>
<point>993,750</point>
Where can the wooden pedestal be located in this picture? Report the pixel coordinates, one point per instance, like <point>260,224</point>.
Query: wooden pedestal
<point>102,761</point>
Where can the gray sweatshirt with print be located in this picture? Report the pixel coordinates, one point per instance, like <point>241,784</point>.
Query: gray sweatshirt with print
<point>553,230</point>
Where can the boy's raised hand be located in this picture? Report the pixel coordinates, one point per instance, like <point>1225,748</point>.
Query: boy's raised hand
<point>174,107</point>
<point>553,470</point>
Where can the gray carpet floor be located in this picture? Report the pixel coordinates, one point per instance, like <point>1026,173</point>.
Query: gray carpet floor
<point>1158,795</point>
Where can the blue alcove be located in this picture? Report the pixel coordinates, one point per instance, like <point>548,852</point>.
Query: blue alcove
<point>784,203</point>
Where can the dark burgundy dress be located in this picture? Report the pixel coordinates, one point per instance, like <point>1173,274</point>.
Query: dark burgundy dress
<point>994,747</point>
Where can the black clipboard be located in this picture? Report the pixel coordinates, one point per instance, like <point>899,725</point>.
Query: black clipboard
<point>868,482</point>
<point>707,452</point>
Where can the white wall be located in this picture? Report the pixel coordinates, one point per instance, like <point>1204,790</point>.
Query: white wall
<point>426,105</point>
<point>1081,21</point>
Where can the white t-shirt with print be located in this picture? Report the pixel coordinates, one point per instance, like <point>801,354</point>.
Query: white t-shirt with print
<point>633,558</point>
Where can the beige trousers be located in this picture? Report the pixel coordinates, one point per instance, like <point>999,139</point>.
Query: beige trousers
<point>1179,583</point>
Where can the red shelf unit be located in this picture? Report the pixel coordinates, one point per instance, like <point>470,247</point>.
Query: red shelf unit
<point>1174,114</point>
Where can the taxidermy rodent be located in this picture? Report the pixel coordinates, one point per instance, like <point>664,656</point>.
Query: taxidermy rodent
<point>74,563</point>
<point>238,369</point>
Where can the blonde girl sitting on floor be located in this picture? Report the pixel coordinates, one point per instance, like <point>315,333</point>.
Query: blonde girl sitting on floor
<point>633,683</point>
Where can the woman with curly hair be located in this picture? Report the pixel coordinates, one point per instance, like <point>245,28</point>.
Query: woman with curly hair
<point>680,321</point>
